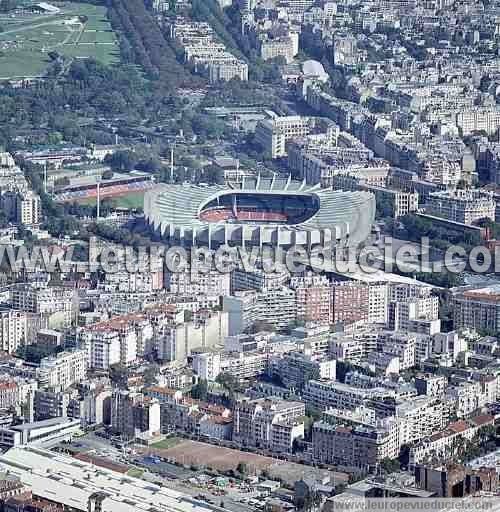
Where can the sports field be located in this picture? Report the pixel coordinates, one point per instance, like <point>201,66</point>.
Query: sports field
<point>132,200</point>
<point>78,30</point>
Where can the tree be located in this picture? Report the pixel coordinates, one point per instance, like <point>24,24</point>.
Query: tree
<point>243,469</point>
<point>200,390</point>
<point>107,174</point>
<point>212,174</point>
<point>122,160</point>
<point>118,375</point>
<point>390,465</point>
<point>35,353</point>
<point>228,382</point>
<point>150,375</point>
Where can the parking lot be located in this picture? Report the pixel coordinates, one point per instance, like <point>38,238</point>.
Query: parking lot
<point>148,464</point>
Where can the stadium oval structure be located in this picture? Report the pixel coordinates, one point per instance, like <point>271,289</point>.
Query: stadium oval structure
<point>261,211</point>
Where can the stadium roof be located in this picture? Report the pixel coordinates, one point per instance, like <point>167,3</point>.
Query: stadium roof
<point>349,213</point>
<point>71,482</point>
<point>314,68</point>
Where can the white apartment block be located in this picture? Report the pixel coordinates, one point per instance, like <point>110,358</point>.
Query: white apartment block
<point>402,346</point>
<point>103,349</point>
<point>337,395</point>
<point>28,208</point>
<point>189,284</point>
<point>377,303</point>
<point>45,300</point>
<point>228,69</point>
<point>465,206</point>
<point>64,369</point>
<point>419,418</point>
<point>273,134</point>
<point>273,306</point>
<point>267,423</point>
<point>465,398</point>
<point>16,329</point>
<point>130,282</point>
<point>278,47</point>
<point>277,307</point>
<point>404,314</point>
<point>242,311</point>
<point>245,365</point>
<point>431,385</point>
<point>177,341</point>
<point>478,119</point>
<point>257,279</point>
<point>295,369</point>
<point>207,365</point>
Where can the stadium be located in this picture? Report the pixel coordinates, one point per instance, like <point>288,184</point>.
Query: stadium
<point>262,211</point>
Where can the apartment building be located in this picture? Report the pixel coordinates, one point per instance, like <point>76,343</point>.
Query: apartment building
<point>50,403</point>
<point>400,202</point>
<point>403,346</point>
<point>207,364</point>
<point>356,345</point>
<point>9,394</point>
<point>360,446</point>
<point>466,397</point>
<point>338,395</point>
<point>464,206</point>
<point>123,281</point>
<point>268,423</point>
<point>431,385</point>
<point>407,313</point>
<point>177,341</point>
<point>277,307</point>
<point>134,415</point>
<point>354,301</point>
<point>478,119</point>
<point>313,299</point>
<point>110,342</point>
<point>204,53</point>
<point>56,303</point>
<point>103,349</point>
<point>190,416</point>
<point>295,369</point>
<point>17,328</point>
<point>272,306</point>
<point>345,50</point>
<point>477,309</point>
<point>443,444</point>
<point>242,310</point>
<point>350,302</point>
<point>210,283</point>
<point>257,279</point>
<point>227,69</point>
<point>63,369</point>
<point>273,134</point>
<point>419,418</point>
<point>270,48</point>
<point>245,365</point>
<point>96,406</point>
<point>28,208</point>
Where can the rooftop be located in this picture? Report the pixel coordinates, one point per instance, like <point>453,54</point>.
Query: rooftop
<point>71,482</point>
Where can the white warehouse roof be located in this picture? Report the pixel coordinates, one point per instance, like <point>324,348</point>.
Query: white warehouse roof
<point>71,482</point>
